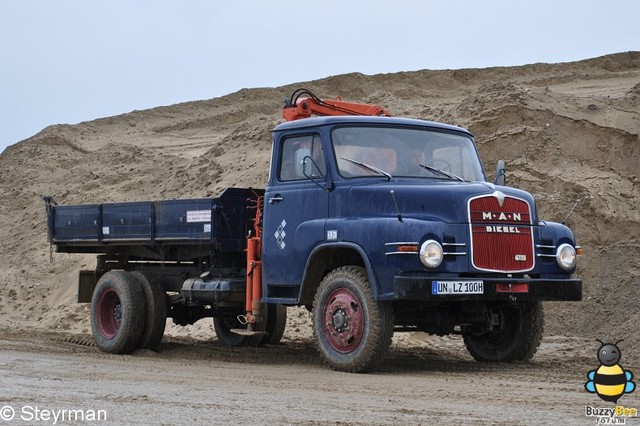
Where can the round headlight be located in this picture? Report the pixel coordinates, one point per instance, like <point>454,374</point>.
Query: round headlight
<point>431,253</point>
<point>566,256</point>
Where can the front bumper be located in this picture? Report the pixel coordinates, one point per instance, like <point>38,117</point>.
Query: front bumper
<point>420,288</point>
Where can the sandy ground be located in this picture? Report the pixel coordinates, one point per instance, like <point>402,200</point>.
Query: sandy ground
<point>569,134</point>
<point>200,382</point>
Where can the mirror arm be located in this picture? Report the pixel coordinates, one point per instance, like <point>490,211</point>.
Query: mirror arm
<point>501,174</point>
<point>304,171</point>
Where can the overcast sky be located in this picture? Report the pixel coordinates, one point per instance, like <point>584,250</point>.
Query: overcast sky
<point>70,61</point>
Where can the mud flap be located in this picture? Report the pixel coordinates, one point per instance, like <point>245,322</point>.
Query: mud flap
<point>86,284</point>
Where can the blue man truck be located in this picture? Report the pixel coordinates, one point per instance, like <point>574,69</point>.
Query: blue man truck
<point>375,224</point>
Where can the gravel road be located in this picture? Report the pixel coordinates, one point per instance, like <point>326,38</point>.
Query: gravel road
<point>48,378</point>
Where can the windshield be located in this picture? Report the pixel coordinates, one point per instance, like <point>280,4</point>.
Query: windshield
<point>405,152</point>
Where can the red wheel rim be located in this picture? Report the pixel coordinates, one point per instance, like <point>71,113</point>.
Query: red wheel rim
<point>109,313</point>
<point>344,320</point>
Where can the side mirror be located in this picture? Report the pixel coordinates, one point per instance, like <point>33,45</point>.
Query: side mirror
<point>306,167</point>
<point>501,173</point>
<point>302,165</point>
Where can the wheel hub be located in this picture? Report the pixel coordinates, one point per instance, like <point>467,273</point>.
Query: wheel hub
<point>340,320</point>
<point>344,320</point>
<point>117,313</point>
<point>109,313</point>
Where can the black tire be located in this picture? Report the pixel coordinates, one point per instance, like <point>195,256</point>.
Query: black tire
<point>516,339</point>
<point>276,324</point>
<point>227,320</point>
<point>117,312</point>
<point>223,323</point>
<point>352,331</point>
<point>155,300</point>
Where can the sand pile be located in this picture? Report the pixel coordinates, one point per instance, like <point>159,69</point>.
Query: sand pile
<point>568,132</point>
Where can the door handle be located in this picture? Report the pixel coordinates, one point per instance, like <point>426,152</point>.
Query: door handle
<point>275,199</point>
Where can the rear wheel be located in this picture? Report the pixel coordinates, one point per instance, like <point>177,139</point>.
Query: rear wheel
<point>156,311</point>
<point>117,312</point>
<point>516,335</point>
<point>352,331</point>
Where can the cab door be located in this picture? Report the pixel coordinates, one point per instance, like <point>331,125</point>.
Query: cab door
<point>295,212</point>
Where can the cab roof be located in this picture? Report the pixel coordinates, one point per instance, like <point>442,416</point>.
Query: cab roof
<point>363,120</point>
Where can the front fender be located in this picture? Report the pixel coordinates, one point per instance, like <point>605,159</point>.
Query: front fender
<point>328,256</point>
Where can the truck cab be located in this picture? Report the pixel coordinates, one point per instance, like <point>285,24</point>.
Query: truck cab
<point>401,210</point>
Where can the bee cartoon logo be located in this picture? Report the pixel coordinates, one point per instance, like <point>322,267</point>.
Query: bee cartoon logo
<point>610,381</point>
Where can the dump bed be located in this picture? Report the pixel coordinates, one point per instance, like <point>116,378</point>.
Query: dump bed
<point>220,223</point>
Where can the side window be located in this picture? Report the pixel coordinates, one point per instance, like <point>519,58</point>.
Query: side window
<point>294,151</point>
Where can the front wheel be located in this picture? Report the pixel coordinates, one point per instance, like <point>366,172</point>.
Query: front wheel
<point>352,331</point>
<point>227,321</point>
<point>276,324</point>
<point>516,335</point>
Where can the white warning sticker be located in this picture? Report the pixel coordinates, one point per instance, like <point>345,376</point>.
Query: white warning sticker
<point>198,216</point>
<point>105,230</point>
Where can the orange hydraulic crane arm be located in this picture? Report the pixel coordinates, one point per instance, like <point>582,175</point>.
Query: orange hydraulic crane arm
<point>297,107</point>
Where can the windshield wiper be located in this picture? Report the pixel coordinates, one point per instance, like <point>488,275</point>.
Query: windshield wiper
<point>369,167</point>
<point>441,172</point>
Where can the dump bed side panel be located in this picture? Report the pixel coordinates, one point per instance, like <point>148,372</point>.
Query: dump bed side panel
<point>184,219</point>
<point>222,222</point>
<point>71,223</point>
<point>127,221</point>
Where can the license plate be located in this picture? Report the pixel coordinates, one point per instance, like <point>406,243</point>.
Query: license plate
<point>457,287</point>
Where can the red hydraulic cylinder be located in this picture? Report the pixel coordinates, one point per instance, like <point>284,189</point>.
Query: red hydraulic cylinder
<point>254,280</point>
